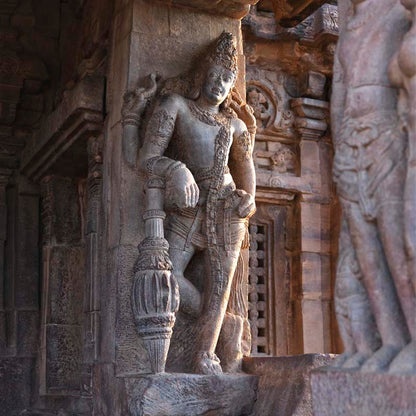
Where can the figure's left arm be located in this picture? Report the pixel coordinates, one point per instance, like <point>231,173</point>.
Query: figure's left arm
<point>242,168</point>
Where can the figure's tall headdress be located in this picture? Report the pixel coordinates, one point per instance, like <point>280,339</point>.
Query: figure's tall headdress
<point>225,52</point>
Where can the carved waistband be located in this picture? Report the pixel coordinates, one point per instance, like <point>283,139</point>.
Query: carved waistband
<point>203,174</point>
<point>360,131</point>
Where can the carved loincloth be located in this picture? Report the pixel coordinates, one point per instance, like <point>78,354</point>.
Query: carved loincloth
<point>370,149</point>
<point>190,223</point>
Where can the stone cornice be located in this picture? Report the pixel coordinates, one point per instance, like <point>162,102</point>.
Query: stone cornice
<point>78,117</point>
<point>291,12</point>
<point>235,9</point>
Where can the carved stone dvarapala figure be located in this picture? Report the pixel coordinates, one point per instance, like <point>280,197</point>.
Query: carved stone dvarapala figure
<point>200,143</point>
<point>374,294</point>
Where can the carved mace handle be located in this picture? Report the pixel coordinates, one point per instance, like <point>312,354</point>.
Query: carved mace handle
<point>155,296</point>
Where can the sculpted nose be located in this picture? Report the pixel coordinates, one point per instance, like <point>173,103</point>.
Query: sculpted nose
<point>218,81</point>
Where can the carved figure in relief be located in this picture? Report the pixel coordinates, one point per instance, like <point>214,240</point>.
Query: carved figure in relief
<point>200,143</point>
<point>370,173</point>
<point>263,110</point>
<point>402,72</point>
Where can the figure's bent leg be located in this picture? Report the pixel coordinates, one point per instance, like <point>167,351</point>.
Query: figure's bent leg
<point>190,297</point>
<point>380,289</point>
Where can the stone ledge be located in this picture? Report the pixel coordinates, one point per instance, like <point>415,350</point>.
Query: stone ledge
<point>344,393</point>
<point>236,9</point>
<point>78,117</point>
<point>191,395</point>
<point>284,383</point>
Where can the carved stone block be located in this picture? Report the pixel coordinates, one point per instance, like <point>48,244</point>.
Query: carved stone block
<point>284,383</point>
<point>342,393</point>
<point>63,355</point>
<point>191,395</point>
<point>66,279</point>
<point>16,376</point>
<point>27,333</point>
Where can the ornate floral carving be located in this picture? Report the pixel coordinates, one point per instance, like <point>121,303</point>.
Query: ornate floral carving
<point>270,103</point>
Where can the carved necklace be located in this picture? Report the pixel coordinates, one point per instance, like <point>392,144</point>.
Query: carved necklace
<point>206,117</point>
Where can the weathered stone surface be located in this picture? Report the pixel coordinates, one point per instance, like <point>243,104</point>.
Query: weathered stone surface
<point>191,395</point>
<point>344,393</point>
<point>66,278</point>
<point>28,323</point>
<point>16,381</point>
<point>63,357</point>
<point>284,383</point>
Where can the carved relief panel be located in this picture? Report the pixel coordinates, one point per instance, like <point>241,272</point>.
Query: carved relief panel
<point>288,74</point>
<point>276,149</point>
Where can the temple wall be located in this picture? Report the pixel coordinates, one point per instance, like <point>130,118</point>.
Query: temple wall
<point>70,201</point>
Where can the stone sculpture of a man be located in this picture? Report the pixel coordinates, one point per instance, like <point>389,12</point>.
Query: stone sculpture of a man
<point>370,170</point>
<point>203,151</point>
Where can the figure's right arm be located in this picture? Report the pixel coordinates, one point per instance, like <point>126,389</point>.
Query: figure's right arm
<point>159,132</point>
<point>152,161</point>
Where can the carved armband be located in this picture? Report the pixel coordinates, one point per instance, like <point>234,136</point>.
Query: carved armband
<point>168,171</point>
<point>160,128</point>
<point>173,167</point>
<point>242,147</point>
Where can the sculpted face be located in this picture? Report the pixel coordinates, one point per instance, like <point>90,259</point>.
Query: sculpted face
<point>217,84</point>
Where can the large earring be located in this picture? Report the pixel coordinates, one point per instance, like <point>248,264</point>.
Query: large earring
<point>227,102</point>
<point>195,91</point>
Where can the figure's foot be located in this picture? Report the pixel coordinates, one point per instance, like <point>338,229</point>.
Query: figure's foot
<point>405,361</point>
<point>356,361</point>
<point>208,363</point>
<point>341,359</point>
<point>381,359</point>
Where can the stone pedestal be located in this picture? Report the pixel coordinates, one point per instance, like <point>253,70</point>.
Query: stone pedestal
<point>284,383</point>
<point>342,393</point>
<point>191,395</point>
